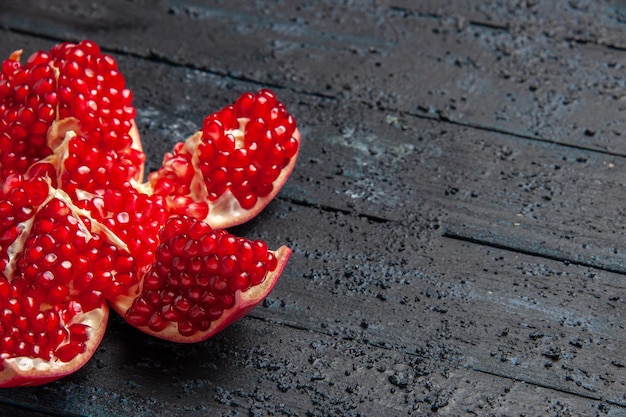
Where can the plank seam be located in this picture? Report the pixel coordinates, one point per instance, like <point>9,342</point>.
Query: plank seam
<point>152,56</point>
<point>452,235</point>
<point>479,23</point>
<point>547,386</point>
<point>440,116</point>
<point>371,217</point>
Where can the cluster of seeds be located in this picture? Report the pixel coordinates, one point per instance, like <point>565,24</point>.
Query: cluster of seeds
<point>30,329</point>
<point>34,321</point>
<point>76,81</point>
<point>173,181</point>
<point>245,146</point>
<point>19,199</point>
<point>27,109</point>
<point>243,149</point>
<point>92,89</point>
<point>135,218</point>
<point>86,167</point>
<point>63,259</point>
<point>196,275</point>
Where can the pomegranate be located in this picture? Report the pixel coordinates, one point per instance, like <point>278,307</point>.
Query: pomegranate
<point>227,172</point>
<point>80,231</point>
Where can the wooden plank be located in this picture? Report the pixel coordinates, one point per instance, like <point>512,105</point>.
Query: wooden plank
<point>373,279</point>
<point>537,197</point>
<point>484,394</point>
<point>423,64</point>
<point>540,321</point>
<point>599,22</point>
<point>352,319</point>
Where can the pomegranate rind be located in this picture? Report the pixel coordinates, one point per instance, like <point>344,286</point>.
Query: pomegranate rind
<point>245,301</point>
<point>26,371</point>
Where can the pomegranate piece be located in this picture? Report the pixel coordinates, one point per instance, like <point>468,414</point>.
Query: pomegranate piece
<point>201,281</point>
<point>79,231</point>
<point>231,169</point>
<point>71,88</point>
<point>49,327</point>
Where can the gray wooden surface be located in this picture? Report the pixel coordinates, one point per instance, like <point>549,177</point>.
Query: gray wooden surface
<point>457,212</point>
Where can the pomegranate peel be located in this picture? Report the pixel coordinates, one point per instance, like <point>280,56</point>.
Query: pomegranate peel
<point>79,231</point>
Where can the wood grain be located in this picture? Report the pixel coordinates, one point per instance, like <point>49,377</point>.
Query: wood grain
<point>455,213</point>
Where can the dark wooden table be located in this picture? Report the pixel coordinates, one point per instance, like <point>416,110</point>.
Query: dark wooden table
<point>457,214</point>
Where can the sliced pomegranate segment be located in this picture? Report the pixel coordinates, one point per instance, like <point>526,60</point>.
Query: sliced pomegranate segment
<point>79,230</point>
<point>81,88</point>
<point>201,281</point>
<point>231,169</point>
<point>45,332</point>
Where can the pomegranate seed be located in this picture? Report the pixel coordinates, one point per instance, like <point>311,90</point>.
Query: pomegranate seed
<point>69,351</point>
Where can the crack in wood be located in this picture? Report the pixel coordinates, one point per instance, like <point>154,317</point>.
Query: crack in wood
<point>450,234</point>
<point>527,378</point>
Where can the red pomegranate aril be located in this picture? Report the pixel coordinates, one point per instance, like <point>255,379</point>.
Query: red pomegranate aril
<point>186,328</point>
<point>181,305</point>
<point>169,314</point>
<point>69,351</point>
<point>241,282</point>
<point>156,323</point>
<point>257,273</point>
<point>57,294</point>
<point>38,323</point>
<point>167,296</point>
<point>246,253</point>
<point>218,284</point>
<point>226,301</point>
<point>214,314</point>
<point>228,265</point>
<point>247,200</point>
<point>79,333</point>
<point>227,244</point>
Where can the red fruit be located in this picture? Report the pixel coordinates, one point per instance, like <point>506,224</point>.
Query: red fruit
<point>231,169</point>
<point>49,327</point>
<point>78,229</point>
<point>201,281</point>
